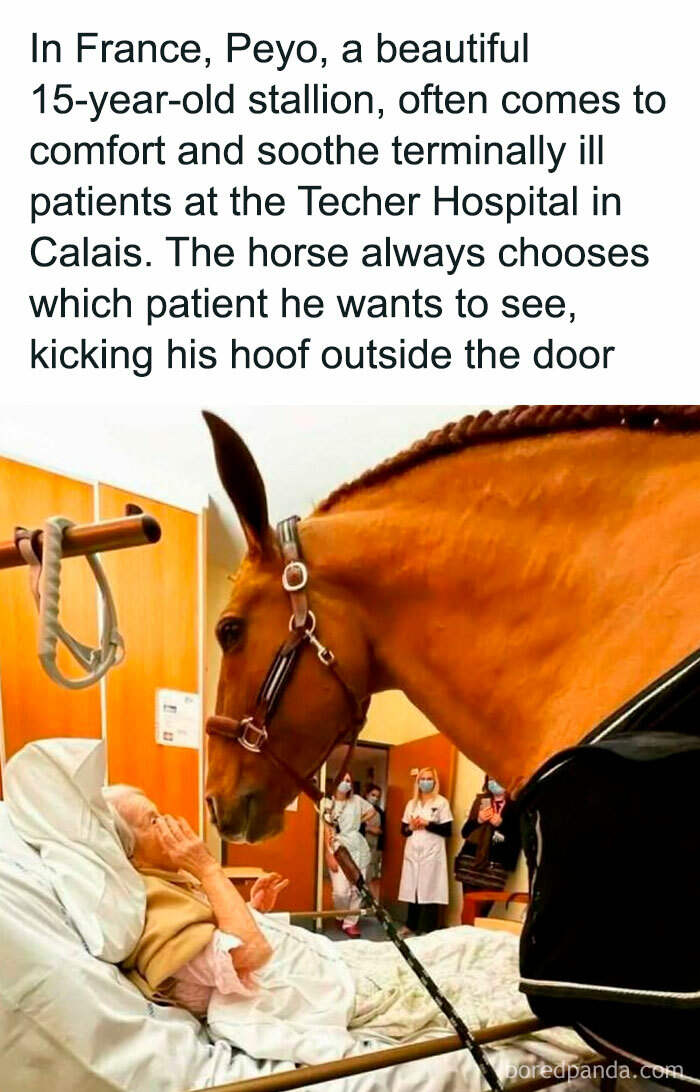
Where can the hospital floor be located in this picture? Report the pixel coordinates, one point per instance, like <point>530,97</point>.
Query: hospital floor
<point>369,927</point>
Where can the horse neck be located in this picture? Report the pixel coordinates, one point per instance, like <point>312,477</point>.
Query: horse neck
<point>499,587</point>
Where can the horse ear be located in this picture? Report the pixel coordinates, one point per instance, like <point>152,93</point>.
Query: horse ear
<point>241,479</point>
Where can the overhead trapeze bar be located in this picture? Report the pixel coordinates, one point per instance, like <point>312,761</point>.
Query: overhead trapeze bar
<point>43,551</point>
<point>91,538</point>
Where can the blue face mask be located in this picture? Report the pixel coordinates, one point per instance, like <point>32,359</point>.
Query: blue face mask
<point>426,784</point>
<point>495,788</point>
<point>345,787</point>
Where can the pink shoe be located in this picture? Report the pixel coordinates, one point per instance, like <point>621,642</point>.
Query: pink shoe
<point>351,931</point>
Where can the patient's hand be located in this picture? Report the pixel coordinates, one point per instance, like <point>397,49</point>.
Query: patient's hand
<point>265,890</point>
<point>184,848</point>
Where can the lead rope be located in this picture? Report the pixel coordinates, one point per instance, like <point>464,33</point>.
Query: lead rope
<point>45,585</point>
<point>368,901</point>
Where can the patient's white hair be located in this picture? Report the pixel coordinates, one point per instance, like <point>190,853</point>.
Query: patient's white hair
<point>114,795</point>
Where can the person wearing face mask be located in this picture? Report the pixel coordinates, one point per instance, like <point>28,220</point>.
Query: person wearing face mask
<point>426,826</point>
<point>491,846</point>
<point>373,795</point>
<point>349,812</point>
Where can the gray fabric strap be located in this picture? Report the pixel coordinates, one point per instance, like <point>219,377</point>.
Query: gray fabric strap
<point>45,585</point>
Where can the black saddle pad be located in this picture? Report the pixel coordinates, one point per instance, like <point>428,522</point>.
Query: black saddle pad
<point>663,1045</point>
<point>611,942</point>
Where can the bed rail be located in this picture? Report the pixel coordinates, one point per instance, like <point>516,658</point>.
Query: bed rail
<point>381,1059</point>
<point>298,915</point>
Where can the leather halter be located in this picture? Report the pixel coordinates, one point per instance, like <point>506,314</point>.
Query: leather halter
<point>251,731</point>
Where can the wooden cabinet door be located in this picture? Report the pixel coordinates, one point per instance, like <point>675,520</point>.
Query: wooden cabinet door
<point>156,589</point>
<point>34,707</point>
<point>292,853</point>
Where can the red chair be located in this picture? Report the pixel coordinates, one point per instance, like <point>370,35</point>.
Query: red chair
<point>473,899</point>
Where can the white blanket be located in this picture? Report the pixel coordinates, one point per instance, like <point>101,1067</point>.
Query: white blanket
<point>303,1005</point>
<point>476,969</point>
<point>318,1000</point>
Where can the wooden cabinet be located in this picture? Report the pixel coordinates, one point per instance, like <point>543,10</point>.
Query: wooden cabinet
<point>156,589</point>
<point>293,853</point>
<point>33,707</point>
<point>157,594</point>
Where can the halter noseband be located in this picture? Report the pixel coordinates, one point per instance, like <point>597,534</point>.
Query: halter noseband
<point>251,731</point>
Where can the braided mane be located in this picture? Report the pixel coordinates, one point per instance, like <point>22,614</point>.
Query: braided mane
<point>517,423</point>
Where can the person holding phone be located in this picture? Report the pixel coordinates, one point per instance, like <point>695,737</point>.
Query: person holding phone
<point>491,846</point>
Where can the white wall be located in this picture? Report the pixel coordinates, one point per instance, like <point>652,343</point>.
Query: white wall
<point>303,451</point>
<point>393,719</point>
<point>153,453</point>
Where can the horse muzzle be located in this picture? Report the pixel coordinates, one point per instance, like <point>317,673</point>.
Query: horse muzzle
<point>246,819</point>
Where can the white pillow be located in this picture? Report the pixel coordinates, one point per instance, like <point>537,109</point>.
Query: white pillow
<point>53,792</point>
<point>11,845</point>
<point>72,1023</point>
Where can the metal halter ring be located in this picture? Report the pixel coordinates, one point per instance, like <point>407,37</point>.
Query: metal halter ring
<point>257,731</point>
<point>295,576</point>
<point>324,654</point>
<point>309,624</point>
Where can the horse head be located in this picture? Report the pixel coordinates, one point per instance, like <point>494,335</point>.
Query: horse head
<point>247,790</point>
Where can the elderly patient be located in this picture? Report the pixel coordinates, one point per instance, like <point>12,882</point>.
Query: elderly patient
<point>199,934</point>
<point>279,992</point>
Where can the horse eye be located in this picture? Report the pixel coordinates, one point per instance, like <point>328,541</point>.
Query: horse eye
<point>229,632</point>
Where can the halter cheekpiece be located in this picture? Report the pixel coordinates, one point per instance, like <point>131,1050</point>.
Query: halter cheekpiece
<point>251,731</point>
<point>252,734</point>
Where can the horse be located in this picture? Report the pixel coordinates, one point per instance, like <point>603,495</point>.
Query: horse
<point>518,575</point>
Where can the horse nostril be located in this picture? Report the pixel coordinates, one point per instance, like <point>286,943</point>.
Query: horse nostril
<point>211,805</point>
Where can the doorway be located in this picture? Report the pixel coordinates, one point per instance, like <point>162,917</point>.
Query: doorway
<point>369,765</point>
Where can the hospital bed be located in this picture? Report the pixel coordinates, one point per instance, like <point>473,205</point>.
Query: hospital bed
<point>68,1017</point>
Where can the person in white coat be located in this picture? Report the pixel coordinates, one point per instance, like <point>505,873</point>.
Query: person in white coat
<point>348,813</point>
<point>426,826</point>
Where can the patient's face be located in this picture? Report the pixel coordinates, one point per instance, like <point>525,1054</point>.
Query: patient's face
<point>141,814</point>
